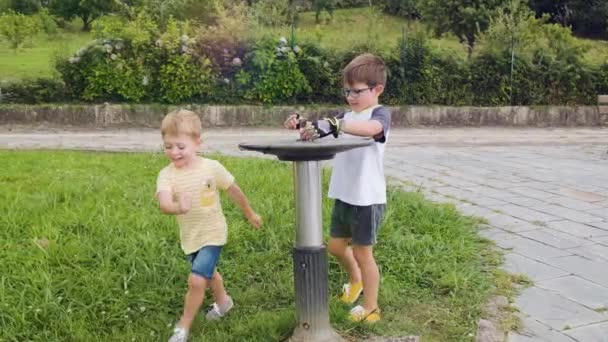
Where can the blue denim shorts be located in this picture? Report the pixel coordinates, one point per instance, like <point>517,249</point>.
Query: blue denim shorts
<point>205,260</point>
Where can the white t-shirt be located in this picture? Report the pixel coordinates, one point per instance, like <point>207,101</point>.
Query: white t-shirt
<point>358,174</point>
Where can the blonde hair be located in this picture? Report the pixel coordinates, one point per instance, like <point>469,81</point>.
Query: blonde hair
<point>181,121</point>
<point>365,68</point>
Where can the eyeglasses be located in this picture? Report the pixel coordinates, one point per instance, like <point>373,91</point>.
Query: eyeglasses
<point>354,92</point>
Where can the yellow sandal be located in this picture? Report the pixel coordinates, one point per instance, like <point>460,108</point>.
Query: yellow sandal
<point>359,314</point>
<point>351,292</point>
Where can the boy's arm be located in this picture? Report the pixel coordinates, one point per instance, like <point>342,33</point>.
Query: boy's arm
<point>321,128</point>
<point>171,207</point>
<point>236,194</point>
<point>370,128</point>
<point>376,127</point>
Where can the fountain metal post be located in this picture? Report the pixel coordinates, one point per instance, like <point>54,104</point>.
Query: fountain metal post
<point>309,253</point>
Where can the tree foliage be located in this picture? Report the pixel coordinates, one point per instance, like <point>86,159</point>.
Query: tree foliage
<point>86,10</point>
<point>586,17</point>
<point>16,28</point>
<point>463,18</point>
<point>25,6</point>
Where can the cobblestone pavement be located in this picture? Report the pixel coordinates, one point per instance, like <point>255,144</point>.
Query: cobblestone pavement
<point>544,193</point>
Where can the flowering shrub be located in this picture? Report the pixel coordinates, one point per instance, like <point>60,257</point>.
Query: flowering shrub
<point>138,66</point>
<point>184,77</point>
<point>224,42</point>
<point>271,73</point>
<point>136,61</point>
<point>322,71</point>
<point>106,70</point>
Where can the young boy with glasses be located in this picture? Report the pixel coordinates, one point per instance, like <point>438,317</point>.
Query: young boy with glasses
<point>357,181</point>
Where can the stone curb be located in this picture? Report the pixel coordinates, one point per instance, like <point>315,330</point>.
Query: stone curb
<point>150,115</point>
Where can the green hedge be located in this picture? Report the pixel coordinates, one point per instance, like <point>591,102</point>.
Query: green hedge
<point>283,72</point>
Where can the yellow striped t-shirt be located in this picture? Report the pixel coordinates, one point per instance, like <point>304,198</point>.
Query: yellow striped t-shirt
<point>204,224</point>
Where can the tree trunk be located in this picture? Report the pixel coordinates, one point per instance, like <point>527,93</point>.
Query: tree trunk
<point>470,44</point>
<point>86,22</point>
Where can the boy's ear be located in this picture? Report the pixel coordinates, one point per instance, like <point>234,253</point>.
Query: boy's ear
<point>379,89</point>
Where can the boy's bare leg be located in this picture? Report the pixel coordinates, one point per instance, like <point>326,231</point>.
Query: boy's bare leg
<point>194,299</point>
<point>339,248</point>
<point>369,274</point>
<point>217,287</point>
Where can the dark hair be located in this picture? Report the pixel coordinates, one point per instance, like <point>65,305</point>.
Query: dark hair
<point>365,68</point>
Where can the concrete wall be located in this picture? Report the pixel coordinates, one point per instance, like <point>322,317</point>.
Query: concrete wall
<point>150,115</point>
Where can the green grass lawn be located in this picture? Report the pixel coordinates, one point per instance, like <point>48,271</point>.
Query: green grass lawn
<point>87,256</point>
<point>355,26</point>
<point>37,60</point>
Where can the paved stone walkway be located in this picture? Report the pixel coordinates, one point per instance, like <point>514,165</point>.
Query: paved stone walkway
<point>543,191</point>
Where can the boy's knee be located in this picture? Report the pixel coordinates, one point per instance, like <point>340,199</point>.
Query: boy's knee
<point>217,277</point>
<point>363,253</point>
<point>197,283</point>
<point>337,247</point>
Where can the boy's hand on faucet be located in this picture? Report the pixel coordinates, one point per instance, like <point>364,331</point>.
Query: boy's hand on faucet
<point>315,129</point>
<point>292,121</point>
<point>295,121</point>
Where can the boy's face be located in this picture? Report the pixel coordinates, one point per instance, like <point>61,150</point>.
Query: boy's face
<point>181,149</point>
<point>360,96</point>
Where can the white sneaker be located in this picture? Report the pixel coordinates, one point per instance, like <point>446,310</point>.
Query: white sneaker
<point>179,335</point>
<point>216,312</point>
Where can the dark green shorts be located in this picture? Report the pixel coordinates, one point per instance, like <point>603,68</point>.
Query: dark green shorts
<point>361,223</point>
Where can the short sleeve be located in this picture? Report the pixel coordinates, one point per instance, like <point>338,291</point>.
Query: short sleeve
<point>163,182</point>
<point>382,115</point>
<point>223,178</point>
<point>339,115</point>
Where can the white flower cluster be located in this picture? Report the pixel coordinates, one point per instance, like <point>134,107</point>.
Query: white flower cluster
<point>283,49</point>
<point>110,47</point>
<point>185,44</point>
